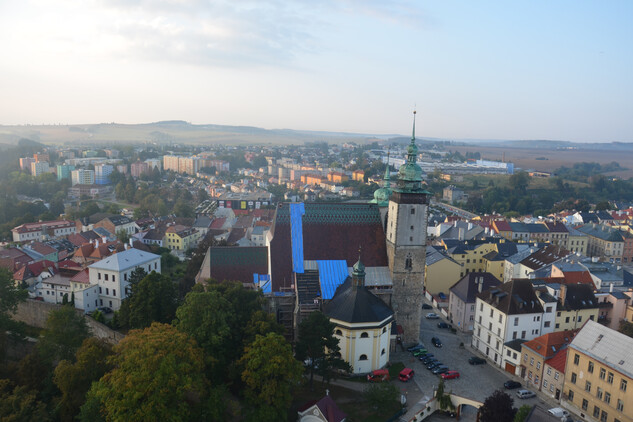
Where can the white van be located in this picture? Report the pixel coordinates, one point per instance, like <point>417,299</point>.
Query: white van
<point>559,412</point>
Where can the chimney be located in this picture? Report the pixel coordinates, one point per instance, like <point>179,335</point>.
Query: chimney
<point>480,284</point>
<point>611,288</point>
<point>125,246</point>
<point>96,243</point>
<point>563,293</point>
<point>462,234</point>
<point>470,226</point>
<point>131,242</point>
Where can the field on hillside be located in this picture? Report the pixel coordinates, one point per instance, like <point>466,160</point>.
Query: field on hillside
<point>527,158</point>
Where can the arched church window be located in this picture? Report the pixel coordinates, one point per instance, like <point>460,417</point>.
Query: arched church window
<point>382,352</point>
<point>408,262</point>
<point>364,335</point>
<point>362,357</point>
<point>338,333</point>
<point>384,330</point>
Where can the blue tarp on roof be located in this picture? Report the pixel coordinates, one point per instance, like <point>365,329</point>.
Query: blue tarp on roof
<point>332,273</point>
<point>266,287</point>
<point>296,236</point>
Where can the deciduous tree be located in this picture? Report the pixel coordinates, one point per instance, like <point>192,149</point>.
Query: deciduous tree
<point>65,331</point>
<point>497,408</point>
<point>10,297</point>
<point>19,404</point>
<point>271,373</point>
<point>153,299</point>
<point>158,375</point>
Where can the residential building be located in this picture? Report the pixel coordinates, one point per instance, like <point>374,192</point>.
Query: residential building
<point>39,167</point>
<point>83,177</point>
<point>42,230</point>
<point>507,312</point>
<point>452,195</point>
<point>577,241</point>
<point>25,163</point>
<point>576,305</point>
<point>112,273</point>
<point>559,235</point>
<point>598,372</point>
<point>440,271</point>
<point>603,242</point>
<point>64,171</point>
<point>181,238</point>
<point>554,374</point>
<point>462,298</point>
<point>102,174</point>
<point>52,289</point>
<point>138,168</point>
<point>536,352</point>
<point>539,259</point>
<point>612,308</point>
<point>117,224</point>
<point>92,191</point>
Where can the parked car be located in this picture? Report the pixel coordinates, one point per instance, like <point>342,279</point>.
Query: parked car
<point>406,374</point>
<point>440,369</point>
<point>436,342</point>
<point>419,352</point>
<point>525,394</point>
<point>559,412</point>
<point>442,324</point>
<point>105,310</point>
<point>416,347</point>
<point>476,360</point>
<point>449,375</point>
<point>426,358</point>
<point>426,306</point>
<point>433,364</point>
<point>432,315</point>
<point>378,375</point>
<point>511,384</point>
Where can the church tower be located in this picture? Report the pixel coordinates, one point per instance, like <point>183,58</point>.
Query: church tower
<point>406,243</point>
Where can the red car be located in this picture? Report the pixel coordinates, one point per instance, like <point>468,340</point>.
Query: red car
<point>450,375</point>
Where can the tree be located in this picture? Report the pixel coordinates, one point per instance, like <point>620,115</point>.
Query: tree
<point>271,373</point>
<point>261,323</point>
<point>443,400</point>
<point>123,236</point>
<point>158,375</point>
<point>206,318</point>
<point>318,346</point>
<point>382,396</point>
<point>497,408</point>
<point>153,299</point>
<point>20,404</point>
<point>522,413</point>
<point>74,379</point>
<point>10,297</point>
<point>626,328</point>
<point>519,181</point>
<point>64,332</point>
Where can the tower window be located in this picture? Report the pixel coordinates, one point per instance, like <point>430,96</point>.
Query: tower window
<point>411,227</point>
<point>362,357</point>
<point>408,263</point>
<point>364,335</point>
<point>410,238</point>
<point>339,333</point>
<point>412,211</point>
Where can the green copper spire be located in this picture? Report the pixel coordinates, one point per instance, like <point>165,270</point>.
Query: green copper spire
<point>358,272</point>
<point>410,173</point>
<point>381,195</point>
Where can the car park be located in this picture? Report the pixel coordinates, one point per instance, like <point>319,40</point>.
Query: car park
<point>476,360</point>
<point>442,324</point>
<point>525,394</point>
<point>378,375</point>
<point>426,306</point>
<point>440,369</point>
<point>406,374</point>
<point>436,342</point>
<point>511,384</point>
<point>432,315</point>
<point>449,375</point>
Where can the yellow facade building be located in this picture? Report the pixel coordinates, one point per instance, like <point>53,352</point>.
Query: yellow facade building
<point>181,238</point>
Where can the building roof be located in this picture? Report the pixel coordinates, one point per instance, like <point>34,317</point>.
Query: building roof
<point>234,263</point>
<point>545,256</point>
<point>330,231</point>
<point>549,344</point>
<point>58,279</point>
<point>125,260</point>
<point>119,220</point>
<point>559,360</point>
<point>607,346</point>
<point>601,232</point>
<point>513,298</point>
<point>354,305</point>
<point>202,221</point>
<point>81,277</point>
<point>33,227</point>
<point>467,288</point>
<point>42,248</point>
<point>328,409</point>
<point>577,296</point>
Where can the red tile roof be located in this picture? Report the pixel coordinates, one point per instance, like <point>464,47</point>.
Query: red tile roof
<point>38,267</point>
<point>81,277</point>
<point>218,223</point>
<point>549,344</point>
<point>559,360</point>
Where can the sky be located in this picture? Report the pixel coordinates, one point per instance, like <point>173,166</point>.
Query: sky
<point>560,70</point>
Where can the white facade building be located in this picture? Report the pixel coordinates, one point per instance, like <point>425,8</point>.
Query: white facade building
<point>111,274</point>
<point>82,177</point>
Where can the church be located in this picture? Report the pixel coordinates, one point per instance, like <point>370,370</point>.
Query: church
<point>309,256</point>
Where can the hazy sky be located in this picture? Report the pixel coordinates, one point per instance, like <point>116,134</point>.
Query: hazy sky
<point>475,69</point>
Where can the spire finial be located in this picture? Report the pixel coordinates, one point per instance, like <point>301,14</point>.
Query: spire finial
<point>387,172</point>
<point>413,134</point>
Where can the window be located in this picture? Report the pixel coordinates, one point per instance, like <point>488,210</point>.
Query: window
<point>538,365</point>
<point>516,321</point>
<point>603,373</point>
<point>596,411</point>
<point>573,378</point>
<point>107,291</point>
<point>100,290</point>
<point>588,387</point>
<point>522,334</point>
<point>571,395</point>
<point>481,307</point>
<point>98,276</point>
<point>544,384</point>
<point>610,378</point>
<point>113,292</point>
<point>382,352</point>
<point>514,335</point>
<point>105,276</point>
<point>525,357</point>
<point>607,398</point>
<point>623,385</point>
<point>599,393</point>
<point>362,357</point>
<point>155,265</point>
<point>566,319</point>
<point>549,371</point>
<point>548,309</point>
<point>579,318</point>
<point>500,318</point>
<point>546,323</point>
<point>412,211</point>
<point>576,358</point>
<point>585,404</point>
<point>620,405</point>
<point>604,416</point>
<point>125,276</point>
<point>531,361</point>
<point>364,335</point>
<point>590,367</point>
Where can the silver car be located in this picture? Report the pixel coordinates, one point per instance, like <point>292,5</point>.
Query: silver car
<point>525,394</point>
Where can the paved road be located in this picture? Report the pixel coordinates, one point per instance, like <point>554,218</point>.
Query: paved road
<point>476,381</point>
